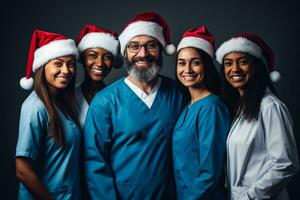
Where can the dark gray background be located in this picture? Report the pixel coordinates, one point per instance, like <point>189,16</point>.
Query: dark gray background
<point>277,22</point>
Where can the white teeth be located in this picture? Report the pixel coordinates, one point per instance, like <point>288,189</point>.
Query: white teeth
<point>62,78</point>
<point>189,78</point>
<point>98,71</point>
<point>237,77</point>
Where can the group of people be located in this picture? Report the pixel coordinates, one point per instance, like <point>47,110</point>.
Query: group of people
<point>208,134</point>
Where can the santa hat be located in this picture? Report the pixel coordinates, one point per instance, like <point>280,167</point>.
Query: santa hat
<point>45,46</point>
<point>199,38</point>
<point>253,45</point>
<point>97,37</point>
<point>150,24</point>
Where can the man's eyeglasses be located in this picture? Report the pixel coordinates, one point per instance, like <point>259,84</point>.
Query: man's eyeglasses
<point>150,46</point>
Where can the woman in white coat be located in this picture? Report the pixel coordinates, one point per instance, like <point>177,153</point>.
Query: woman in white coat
<point>261,152</point>
<point>99,52</point>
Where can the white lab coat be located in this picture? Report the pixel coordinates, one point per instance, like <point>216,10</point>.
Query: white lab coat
<point>262,155</point>
<point>82,105</point>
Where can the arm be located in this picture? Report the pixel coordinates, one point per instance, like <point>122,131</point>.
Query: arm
<point>213,126</point>
<point>32,130</point>
<point>97,142</point>
<point>31,181</point>
<point>282,152</point>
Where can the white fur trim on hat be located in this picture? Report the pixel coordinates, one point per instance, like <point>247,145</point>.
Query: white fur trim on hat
<point>275,76</point>
<point>170,49</point>
<point>141,28</point>
<point>53,50</point>
<point>198,43</point>
<point>26,83</point>
<point>239,44</point>
<point>99,40</point>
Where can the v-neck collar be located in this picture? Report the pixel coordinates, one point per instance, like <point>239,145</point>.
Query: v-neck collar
<point>147,99</point>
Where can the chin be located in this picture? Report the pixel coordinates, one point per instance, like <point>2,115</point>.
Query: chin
<point>97,78</point>
<point>188,84</point>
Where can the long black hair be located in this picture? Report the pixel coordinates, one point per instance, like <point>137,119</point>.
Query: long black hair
<point>248,105</point>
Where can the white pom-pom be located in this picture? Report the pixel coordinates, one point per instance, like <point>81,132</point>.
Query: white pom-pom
<point>170,49</point>
<point>26,83</point>
<point>275,76</point>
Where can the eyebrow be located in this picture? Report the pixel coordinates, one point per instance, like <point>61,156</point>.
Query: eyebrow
<point>237,58</point>
<point>189,59</point>
<point>106,53</point>
<point>90,50</point>
<point>139,42</point>
<point>59,59</point>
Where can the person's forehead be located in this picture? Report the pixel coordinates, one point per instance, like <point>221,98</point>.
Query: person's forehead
<point>142,38</point>
<point>97,49</point>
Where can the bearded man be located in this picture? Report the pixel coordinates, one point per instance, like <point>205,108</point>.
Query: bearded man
<point>129,125</point>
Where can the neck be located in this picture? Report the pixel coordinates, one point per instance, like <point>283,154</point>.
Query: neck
<point>144,86</point>
<point>241,92</point>
<point>198,93</point>
<point>89,88</point>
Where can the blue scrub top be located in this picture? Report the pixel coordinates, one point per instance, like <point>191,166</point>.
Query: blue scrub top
<point>199,149</point>
<point>128,146</point>
<point>57,167</point>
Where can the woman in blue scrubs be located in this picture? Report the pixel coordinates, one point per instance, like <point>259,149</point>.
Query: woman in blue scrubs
<point>200,133</point>
<point>47,152</point>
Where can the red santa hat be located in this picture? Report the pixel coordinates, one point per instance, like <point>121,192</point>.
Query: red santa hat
<point>97,37</point>
<point>45,46</point>
<point>253,45</point>
<point>199,38</point>
<point>150,24</point>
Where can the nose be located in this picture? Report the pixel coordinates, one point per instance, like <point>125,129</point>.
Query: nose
<point>99,61</point>
<point>65,69</point>
<point>143,52</point>
<point>235,66</point>
<point>188,68</point>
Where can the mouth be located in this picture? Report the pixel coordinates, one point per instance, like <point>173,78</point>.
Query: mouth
<point>189,77</point>
<point>63,78</point>
<point>98,71</point>
<point>143,63</point>
<point>238,77</point>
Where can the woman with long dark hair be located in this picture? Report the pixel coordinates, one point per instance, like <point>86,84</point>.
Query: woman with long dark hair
<point>261,151</point>
<point>200,133</point>
<point>48,147</point>
<point>99,52</point>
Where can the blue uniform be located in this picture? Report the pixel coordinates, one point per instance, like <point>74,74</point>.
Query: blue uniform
<point>128,146</point>
<point>199,141</point>
<point>57,167</point>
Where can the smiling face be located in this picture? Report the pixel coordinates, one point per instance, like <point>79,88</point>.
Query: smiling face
<point>59,72</point>
<point>190,67</point>
<point>97,63</point>
<point>239,69</point>
<point>143,57</point>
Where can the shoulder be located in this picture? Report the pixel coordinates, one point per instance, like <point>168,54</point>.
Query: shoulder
<point>212,105</point>
<point>33,103</point>
<point>212,101</point>
<point>33,107</point>
<point>109,93</point>
<point>271,101</point>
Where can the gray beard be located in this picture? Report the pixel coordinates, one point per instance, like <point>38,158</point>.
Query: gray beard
<point>143,75</point>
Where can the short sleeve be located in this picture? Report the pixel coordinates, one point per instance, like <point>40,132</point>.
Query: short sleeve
<point>32,128</point>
